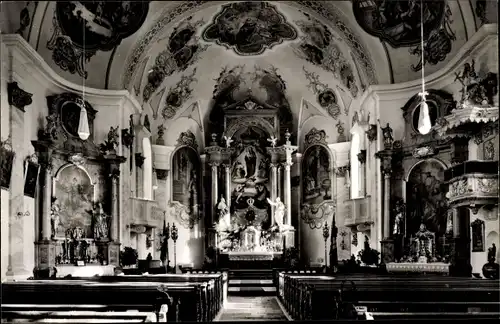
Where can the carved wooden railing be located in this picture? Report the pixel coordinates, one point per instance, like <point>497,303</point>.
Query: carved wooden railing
<point>473,184</point>
<point>359,212</point>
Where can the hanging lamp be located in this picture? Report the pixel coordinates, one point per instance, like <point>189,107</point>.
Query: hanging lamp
<point>424,120</point>
<point>83,124</point>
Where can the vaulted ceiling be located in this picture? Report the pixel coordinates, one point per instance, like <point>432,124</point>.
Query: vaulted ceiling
<point>167,53</point>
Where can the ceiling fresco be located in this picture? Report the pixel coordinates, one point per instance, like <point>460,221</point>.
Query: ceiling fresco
<point>183,50</point>
<point>319,46</point>
<point>398,22</point>
<point>83,28</point>
<point>249,28</point>
<point>142,45</point>
<point>325,96</point>
<point>122,40</point>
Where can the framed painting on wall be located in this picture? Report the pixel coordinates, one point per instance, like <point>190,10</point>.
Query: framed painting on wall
<point>477,235</point>
<point>477,227</point>
<point>31,172</point>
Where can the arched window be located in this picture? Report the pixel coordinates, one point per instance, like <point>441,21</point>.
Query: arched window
<point>147,167</point>
<point>355,166</point>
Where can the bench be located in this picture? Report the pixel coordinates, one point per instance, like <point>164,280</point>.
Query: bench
<point>216,290</point>
<point>71,314</point>
<point>303,296</point>
<point>214,296</point>
<point>187,301</point>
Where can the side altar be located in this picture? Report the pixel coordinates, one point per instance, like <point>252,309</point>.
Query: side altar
<point>251,190</point>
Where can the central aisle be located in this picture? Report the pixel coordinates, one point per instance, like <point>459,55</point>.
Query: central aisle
<point>250,308</point>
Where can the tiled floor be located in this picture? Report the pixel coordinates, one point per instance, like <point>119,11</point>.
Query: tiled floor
<point>251,308</point>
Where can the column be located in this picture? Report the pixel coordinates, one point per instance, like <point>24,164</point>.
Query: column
<point>460,264</point>
<point>215,192</point>
<point>288,193</point>
<point>279,184</point>
<point>274,187</point>
<point>113,252</point>
<point>227,184</point>
<point>362,169</point>
<point>387,202</point>
<point>387,243</point>
<point>115,175</point>
<point>47,203</point>
<point>298,161</point>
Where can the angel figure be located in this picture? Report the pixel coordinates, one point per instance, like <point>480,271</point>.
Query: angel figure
<point>273,140</point>
<point>279,211</point>
<point>228,141</point>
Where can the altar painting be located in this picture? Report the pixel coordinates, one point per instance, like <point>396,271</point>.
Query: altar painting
<point>426,201</point>
<point>74,195</point>
<point>185,184</point>
<point>250,174</point>
<point>317,186</point>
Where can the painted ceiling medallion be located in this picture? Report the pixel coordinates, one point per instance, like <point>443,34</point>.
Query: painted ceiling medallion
<point>183,50</point>
<point>324,94</point>
<point>398,22</point>
<point>249,28</point>
<point>83,28</point>
<point>319,47</point>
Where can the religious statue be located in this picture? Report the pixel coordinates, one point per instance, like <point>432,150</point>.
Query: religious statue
<point>193,190</point>
<point>492,253</point>
<point>279,211</point>
<point>54,217</point>
<point>399,210</point>
<point>424,240</point>
<point>387,134</point>
<point>222,208</point>
<point>109,146</point>
<point>100,222</point>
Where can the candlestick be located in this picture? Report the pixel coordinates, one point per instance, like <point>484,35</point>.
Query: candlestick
<point>326,234</point>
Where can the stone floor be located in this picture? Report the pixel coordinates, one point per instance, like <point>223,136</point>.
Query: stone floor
<point>251,308</point>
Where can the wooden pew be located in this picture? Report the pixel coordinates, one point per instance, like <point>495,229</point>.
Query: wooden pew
<point>72,313</point>
<point>213,299</point>
<point>141,296</point>
<point>216,289</point>
<point>302,295</point>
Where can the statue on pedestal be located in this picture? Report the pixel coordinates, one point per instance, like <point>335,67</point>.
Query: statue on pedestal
<point>387,134</point>
<point>424,240</point>
<point>54,217</point>
<point>100,222</point>
<point>399,217</point>
<point>279,211</point>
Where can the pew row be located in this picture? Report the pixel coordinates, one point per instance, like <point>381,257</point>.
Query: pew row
<point>72,313</point>
<point>304,296</point>
<point>187,300</point>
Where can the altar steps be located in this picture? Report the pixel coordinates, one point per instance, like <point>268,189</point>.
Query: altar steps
<point>251,282</point>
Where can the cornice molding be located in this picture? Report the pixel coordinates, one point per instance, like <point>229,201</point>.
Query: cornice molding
<point>25,56</point>
<point>481,41</point>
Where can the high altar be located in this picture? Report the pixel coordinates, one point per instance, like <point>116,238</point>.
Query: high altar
<point>251,203</point>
